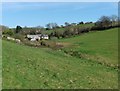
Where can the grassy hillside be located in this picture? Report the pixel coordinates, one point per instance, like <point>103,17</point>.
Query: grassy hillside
<point>101,46</point>
<point>29,67</point>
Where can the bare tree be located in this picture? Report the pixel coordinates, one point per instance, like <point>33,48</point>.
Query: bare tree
<point>67,24</point>
<point>114,19</point>
<point>51,25</point>
<point>104,21</point>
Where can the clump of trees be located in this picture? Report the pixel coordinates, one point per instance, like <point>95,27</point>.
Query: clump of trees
<point>8,32</point>
<point>114,20</point>
<point>81,23</point>
<point>69,31</point>
<point>30,30</point>
<point>18,29</point>
<point>106,22</point>
<point>51,26</point>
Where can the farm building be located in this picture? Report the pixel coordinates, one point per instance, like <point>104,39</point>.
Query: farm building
<point>45,36</point>
<point>37,37</point>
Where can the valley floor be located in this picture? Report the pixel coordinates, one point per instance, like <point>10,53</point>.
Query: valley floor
<point>29,67</point>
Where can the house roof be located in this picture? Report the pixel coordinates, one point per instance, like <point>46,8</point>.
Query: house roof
<point>36,36</point>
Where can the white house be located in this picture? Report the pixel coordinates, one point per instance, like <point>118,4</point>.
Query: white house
<point>37,37</point>
<point>33,37</point>
<point>45,36</point>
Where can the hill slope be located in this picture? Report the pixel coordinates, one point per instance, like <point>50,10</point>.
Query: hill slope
<point>101,46</point>
<point>27,67</point>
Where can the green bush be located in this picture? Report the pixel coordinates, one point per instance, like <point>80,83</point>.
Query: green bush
<point>8,32</point>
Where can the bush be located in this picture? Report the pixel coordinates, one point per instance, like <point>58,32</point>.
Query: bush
<point>68,32</point>
<point>8,32</point>
<point>19,36</point>
<point>58,34</point>
<point>43,43</point>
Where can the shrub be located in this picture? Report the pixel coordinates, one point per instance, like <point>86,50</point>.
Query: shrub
<point>19,36</point>
<point>58,34</point>
<point>43,43</point>
<point>8,32</point>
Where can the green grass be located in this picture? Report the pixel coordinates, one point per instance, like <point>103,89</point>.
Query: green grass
<point>29,67</point>
<point>100,45</point>
<point>0,64</point>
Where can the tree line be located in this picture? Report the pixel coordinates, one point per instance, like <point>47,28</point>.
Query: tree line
<point>104,22</point>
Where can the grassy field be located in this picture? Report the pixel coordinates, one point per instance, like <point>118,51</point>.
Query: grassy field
<point>29,67</point>
<point>101,46</point>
